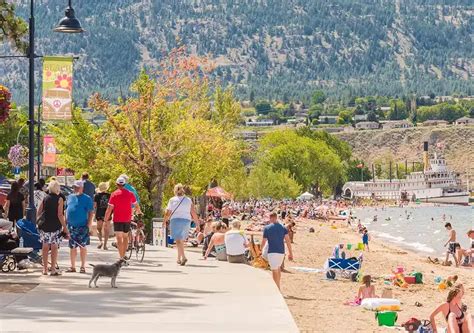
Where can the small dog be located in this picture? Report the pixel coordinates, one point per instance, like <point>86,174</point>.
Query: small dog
<point>111,271</point>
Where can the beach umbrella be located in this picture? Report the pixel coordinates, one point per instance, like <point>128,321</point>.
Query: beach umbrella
<point>218,192</point>
<point>306,196</point>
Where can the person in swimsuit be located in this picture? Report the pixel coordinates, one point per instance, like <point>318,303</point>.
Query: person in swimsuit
<point>367,290</point>
<point>218,242</point>
<point>452,244</point>
<point>455,313</point>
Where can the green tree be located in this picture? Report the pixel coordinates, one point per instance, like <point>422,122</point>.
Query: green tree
<point>12,28</point>
<point>358,171</point>
<point>345,117</point>
<point>444,111</point>
<point>9,131</point>
<point>166,132</point>
<point>318,97</point>
<point>338,146</point>
<point>398,110</point>
<point>263,107</point>
<point>310,162</point>
<point>264,182</point>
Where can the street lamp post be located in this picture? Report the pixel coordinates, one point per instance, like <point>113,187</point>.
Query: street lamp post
<point>68,24</point>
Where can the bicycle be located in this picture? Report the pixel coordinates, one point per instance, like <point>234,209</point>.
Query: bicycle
<point>136,240</point>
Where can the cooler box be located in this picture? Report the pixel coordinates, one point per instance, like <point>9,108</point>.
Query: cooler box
<point>386,318</point>
<point>410,279</point>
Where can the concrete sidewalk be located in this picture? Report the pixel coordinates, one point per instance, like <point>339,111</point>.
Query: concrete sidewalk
<point>156,295</point>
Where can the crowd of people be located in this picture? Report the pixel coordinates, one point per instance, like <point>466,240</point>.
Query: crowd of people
<point>70,218</point>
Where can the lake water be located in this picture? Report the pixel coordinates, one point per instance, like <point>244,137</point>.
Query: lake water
<point>420,229</point>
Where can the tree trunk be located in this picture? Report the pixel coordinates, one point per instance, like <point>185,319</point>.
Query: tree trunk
<point>157,189</point>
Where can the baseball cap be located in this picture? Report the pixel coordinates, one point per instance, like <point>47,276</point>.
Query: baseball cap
<point>121,181</point>
<point>78,183</point>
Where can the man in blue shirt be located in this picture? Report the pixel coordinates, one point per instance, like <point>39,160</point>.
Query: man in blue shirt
<point>276,235</point>
<point>89,187</point>
<point>79,219</point>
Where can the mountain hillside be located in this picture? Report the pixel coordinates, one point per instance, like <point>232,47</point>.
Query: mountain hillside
<point>276,48</point>
<point>454,143</point>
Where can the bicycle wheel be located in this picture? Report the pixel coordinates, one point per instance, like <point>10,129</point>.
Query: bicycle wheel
<point>140,248</point>
<point>129,252</point>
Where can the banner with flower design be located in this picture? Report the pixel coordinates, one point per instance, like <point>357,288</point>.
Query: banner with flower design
<point>57,88</point>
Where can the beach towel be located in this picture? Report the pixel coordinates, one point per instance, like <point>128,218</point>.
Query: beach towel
<point>355,302</point>
<point>307,269</point>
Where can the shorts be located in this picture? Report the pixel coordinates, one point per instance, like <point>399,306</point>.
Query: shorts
<point>179,228</point>
<point>275,260</point>
<point>122,227</point>
<point>237,259</point>
<point>452,247</point>
<point>52,238</point>
<point>79,237</point>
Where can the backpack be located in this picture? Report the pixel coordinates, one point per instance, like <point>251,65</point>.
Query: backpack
<point>412,325</point>
<point>425,327</point>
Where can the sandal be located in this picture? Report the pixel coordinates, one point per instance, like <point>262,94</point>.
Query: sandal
<point>183,262</point>
<point>178,262</point>
<point>99,246</point>
<point>418,304</point>
<point>55,273</point>
<point>44,273</point>
<point>83,270</point>
<point>71,270</point>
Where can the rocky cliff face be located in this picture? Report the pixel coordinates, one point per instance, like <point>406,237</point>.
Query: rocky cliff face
<point>455,143</point>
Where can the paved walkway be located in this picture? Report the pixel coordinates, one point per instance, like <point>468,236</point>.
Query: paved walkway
<point>156,295</point>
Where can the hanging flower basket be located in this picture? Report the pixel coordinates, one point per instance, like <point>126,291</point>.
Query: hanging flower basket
<point>18,155</point>
<point>5,97</point>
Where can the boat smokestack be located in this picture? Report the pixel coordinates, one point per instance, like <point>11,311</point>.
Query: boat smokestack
<point>425,156</point>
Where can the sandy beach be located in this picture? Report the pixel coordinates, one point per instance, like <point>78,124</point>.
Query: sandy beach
<point>317,303</point>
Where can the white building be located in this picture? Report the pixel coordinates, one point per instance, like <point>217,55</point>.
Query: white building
<point>389,124</point>
<point>464,121</point>
<point>326,119</point>
<point>367,125</point>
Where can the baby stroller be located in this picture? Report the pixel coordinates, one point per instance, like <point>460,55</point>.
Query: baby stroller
<point>347,268</point>
<point>11,254</point>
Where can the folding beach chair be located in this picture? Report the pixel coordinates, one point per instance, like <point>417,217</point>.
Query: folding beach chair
<point>347,268</point>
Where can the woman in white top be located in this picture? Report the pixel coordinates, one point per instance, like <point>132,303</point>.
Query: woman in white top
<point>180,212</point>
<point>236,243</point>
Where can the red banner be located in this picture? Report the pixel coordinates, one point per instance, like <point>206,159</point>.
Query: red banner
<point>64,172</point>
<point>49,151</point>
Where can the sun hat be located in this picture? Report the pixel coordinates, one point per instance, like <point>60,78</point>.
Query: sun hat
<point>103,187</point>
<point>124,176</point>
<point>121,181</point>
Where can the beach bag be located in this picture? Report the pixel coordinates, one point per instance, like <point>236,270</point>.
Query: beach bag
<point>425,327</point>
<point>386,318</point>
<point>412,325</point>
<point>418,277</point>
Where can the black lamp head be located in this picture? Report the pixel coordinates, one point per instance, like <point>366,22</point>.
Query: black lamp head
<point>69,24</point>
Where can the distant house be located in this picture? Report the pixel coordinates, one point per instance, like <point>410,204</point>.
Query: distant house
<point>464,121</point>
<point>441,123</point>
<point>367,125</point>
<point>260,123</point>
<point>360,117</point>
<point>248,135</point>
<point>389,124</point>
<point>325,119</point>
<point>329,129</point>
